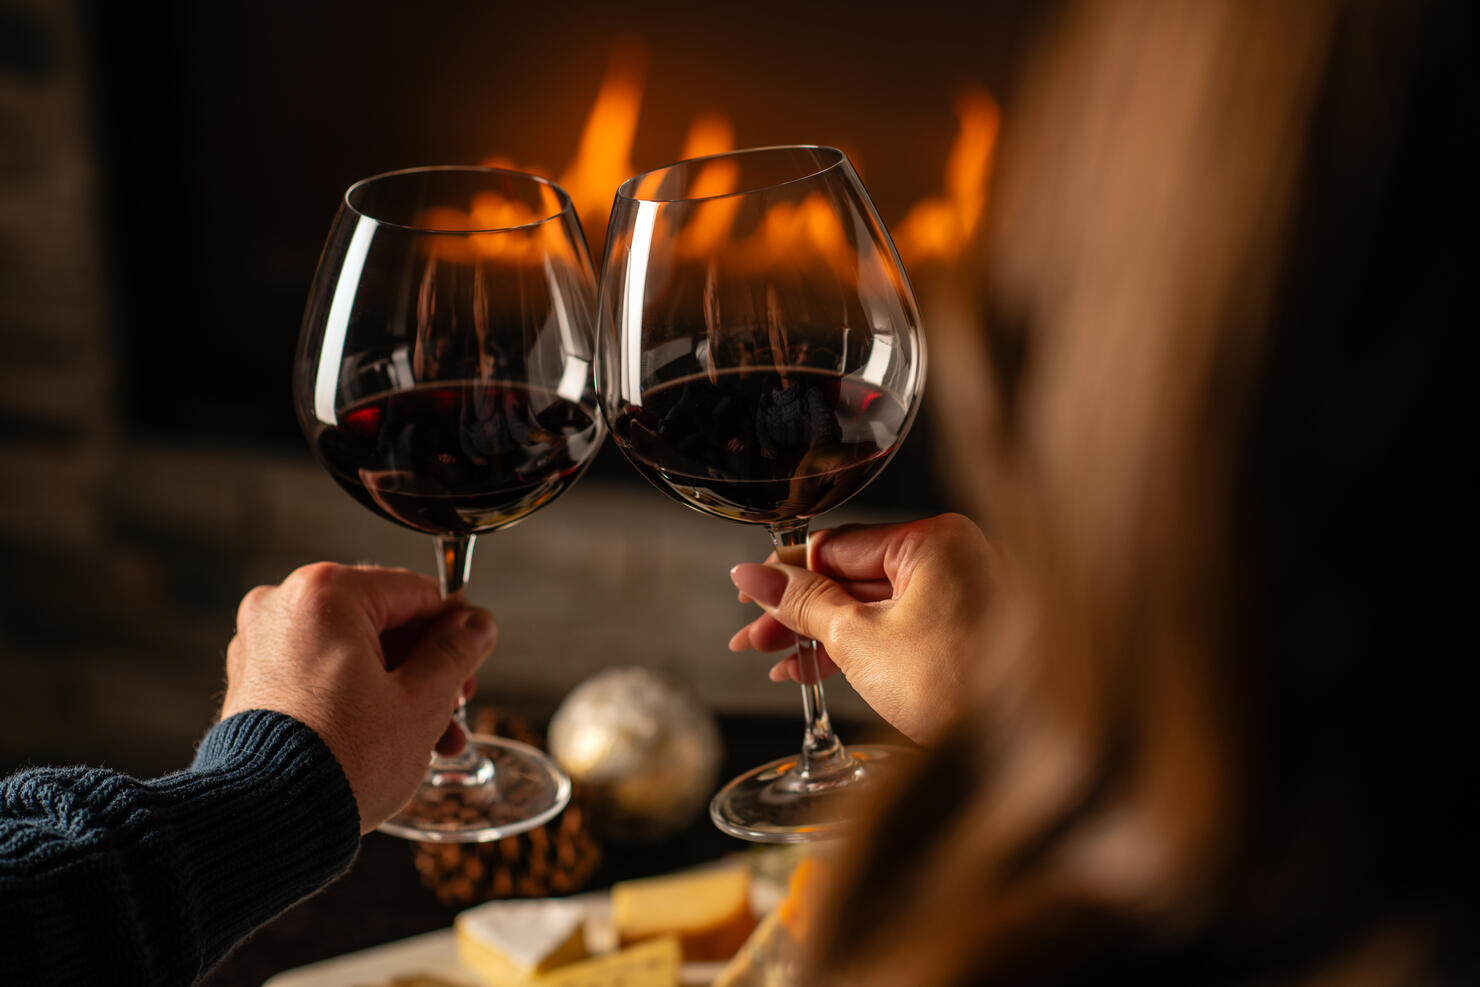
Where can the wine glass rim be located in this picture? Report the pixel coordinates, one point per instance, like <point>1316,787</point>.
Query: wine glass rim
<point>627,190</point>
<point>561,195</point>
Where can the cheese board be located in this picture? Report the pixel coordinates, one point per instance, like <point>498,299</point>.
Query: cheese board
<point>432,960</point>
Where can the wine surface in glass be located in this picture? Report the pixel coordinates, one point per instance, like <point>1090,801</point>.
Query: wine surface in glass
<point>760,444</point>
<point>458,458</point>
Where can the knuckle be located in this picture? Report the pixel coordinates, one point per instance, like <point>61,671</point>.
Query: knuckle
<point>954,537</point>
<point>966,544</point>
<point>313,580</point>
<point>487,646</point>
<point>952,524</point>
<point>450,650</point>
<point>803,599</point>
<point>817,539</point>
<point>915,539</point>
<point>318,573</point>
<point>843,622</point>
<point>252,604</point>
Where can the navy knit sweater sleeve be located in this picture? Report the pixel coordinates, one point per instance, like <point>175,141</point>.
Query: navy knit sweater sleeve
<point>105,879</point>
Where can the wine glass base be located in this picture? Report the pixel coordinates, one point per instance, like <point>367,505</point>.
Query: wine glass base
<point>526,789</point>
<point>774,804</point>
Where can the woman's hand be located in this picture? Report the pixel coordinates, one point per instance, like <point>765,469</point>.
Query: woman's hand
<point>371,659</point>
<point>899,608</point>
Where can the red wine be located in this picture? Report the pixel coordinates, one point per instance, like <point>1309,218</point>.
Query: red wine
<point>760,444</point>
<point>459,459</point>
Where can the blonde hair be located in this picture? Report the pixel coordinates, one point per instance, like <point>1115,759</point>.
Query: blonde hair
<point>1096,799</point>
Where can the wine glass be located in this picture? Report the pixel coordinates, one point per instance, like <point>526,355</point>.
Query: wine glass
<point>444,379</point>
<point>760,360</point>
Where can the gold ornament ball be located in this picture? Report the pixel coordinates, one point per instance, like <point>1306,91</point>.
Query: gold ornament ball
<point>644,749</point>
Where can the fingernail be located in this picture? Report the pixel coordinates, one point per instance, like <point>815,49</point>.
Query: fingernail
<point>481,625</point>
<point>761,583</point>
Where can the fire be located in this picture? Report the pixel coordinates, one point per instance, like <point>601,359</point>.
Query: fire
<point>706,231</point>
<point>710,133</point>
<point>604,155</point>
<point>804,233</point>
<point>939,228</point>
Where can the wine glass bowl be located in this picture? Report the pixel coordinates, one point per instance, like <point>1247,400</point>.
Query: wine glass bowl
<point>761,361</point>
<point>444,380</point>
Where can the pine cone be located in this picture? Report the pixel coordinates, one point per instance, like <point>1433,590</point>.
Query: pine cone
<point>554,859</point>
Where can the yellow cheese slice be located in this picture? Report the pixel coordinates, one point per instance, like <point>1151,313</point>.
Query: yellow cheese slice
<point>508,943</point>
<point>709,911</point>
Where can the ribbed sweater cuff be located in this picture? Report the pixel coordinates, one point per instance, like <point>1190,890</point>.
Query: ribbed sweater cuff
<point>264,817</point>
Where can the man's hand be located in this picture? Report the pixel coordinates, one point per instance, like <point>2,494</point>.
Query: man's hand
<point>371,659</point>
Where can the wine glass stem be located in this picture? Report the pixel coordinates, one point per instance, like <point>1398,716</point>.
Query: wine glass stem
<point>823,754</point>
<point>454,563</point>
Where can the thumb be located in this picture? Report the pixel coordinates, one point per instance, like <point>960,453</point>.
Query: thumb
<point>449,651</point>
<point>802,600</point>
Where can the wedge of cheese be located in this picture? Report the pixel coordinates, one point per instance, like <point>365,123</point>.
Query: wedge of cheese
<point>654,963</point>
<point>509,943</point>
<point>708,911</point>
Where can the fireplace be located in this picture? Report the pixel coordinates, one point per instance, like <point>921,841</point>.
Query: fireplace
<point>231,133</point>
<point>181,163</point>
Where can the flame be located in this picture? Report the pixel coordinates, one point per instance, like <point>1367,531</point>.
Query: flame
<point>710,133</point>
<point>604,155</point>
<point>492,211</point>
<point>936,229</point>
<point>939,228</point>
<point>500,228</point>
<point>805,233</point>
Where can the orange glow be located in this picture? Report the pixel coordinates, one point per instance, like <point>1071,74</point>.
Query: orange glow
<point>549,200</point>
<point>500,228</point>
<point>823,227</point>
<point>710,133</point>
<point>492,211</point>
<point>940,227</point>
<point>937,229</point>
<point>444,219</point>
<point>808,232</point>
<point>712,219</point>
<point>604,155</point>
<point>500,161</point>
<point>455,249</point>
